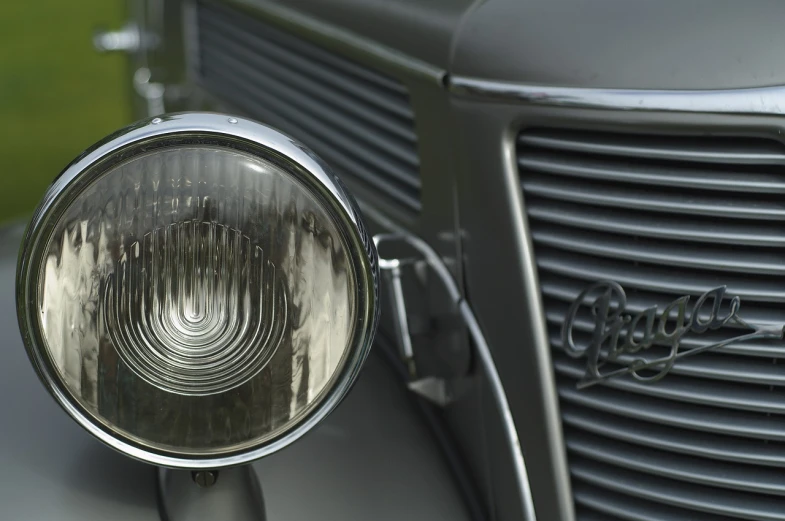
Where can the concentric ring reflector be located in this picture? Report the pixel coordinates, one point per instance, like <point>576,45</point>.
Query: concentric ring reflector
<point>199,297</point>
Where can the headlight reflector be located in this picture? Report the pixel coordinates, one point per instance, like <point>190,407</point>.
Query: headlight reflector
<point>197,291</point>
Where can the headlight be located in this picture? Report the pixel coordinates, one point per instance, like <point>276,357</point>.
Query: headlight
<point>197,290</point>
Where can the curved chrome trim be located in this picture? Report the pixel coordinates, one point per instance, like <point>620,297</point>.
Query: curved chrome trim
<point>759,100</point>
<point>237,132</point>
<point>485,355</point>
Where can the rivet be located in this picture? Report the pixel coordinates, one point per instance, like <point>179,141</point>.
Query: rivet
<point>232,121</point>
<point>156,121</point>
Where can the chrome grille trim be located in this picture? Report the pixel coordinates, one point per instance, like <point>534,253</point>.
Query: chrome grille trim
<point>677,494</point>
<point>596,504</point>
<point>656,226</point>
<point>662,437</point>
<point>657,278</point>
<point>647,199</point>
<point>684,256</point>
<point>691,390</point>
<point>720,149</point>
<point>662,412</point>
<point>357,119</point>
<point>666,216</point>
<point>676,466</point>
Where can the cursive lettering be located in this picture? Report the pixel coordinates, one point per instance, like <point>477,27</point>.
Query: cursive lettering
<point>616,332</point>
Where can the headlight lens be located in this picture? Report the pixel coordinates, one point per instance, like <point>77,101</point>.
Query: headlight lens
<point>202,297</point>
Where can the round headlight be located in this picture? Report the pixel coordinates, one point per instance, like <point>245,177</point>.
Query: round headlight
<point>197,290</point>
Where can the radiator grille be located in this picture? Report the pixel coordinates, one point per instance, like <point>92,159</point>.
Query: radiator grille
<point>357,119</point>
<point>666,216</point>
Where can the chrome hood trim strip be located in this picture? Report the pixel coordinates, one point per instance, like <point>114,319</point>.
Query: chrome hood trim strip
<point>758,100</point>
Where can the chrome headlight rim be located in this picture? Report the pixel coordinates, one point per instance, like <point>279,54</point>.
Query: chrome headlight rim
<point>197,129</point>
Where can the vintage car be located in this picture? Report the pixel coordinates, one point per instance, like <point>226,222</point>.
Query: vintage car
<point>569,213</point>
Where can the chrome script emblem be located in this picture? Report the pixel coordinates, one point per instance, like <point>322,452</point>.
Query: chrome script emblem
<point>618,333</point>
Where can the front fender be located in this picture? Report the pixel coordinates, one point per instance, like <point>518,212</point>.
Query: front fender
<point>371,459</point>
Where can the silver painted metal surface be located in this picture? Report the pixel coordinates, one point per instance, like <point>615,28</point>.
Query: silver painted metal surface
<point>485,355</point>
<point>43,452</point>
<point>264,141</point>
<point>429,26</point>
<point>665,45</point>
<point>371,459</point>
<point>510,306</point>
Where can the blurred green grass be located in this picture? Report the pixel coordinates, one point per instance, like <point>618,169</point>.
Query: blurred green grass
<point>57,95</point>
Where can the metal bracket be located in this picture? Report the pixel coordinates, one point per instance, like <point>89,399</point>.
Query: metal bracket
<point>393,276</point>
<point>440,390</point>
<point>233,493</point>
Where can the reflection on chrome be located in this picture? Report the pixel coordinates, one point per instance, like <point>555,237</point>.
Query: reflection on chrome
<point>197,299</point>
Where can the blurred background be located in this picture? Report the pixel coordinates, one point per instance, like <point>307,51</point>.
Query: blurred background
<point>57,95</point>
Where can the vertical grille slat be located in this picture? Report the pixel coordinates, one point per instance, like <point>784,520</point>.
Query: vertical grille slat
<point>360,121</point>
<point>666,216</point>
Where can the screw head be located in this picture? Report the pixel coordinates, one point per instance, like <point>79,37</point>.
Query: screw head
<point>205,478</point>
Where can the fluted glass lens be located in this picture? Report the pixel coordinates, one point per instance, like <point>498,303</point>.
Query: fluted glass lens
<point>198,299</point>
